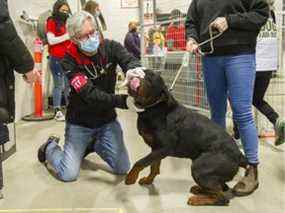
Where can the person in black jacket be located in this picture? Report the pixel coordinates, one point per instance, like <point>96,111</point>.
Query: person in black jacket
<point>132,40</point>
<point>14,55</point>
<point>90,65</point>
<point>229,68</point>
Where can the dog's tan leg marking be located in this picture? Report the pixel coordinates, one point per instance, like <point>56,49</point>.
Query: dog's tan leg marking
<point>154,171</point>
<point>214,199</point>
<point>133,175</point>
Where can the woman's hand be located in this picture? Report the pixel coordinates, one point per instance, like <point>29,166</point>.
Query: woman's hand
<point>220,24</point>
<point>192,46</point>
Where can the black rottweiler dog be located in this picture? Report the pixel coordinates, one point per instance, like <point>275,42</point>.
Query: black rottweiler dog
<point>170,129</point>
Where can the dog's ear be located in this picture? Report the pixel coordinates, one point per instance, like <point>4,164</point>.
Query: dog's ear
<point>167,96</point>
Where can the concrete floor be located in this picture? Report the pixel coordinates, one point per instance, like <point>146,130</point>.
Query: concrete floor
<point>29,187</point>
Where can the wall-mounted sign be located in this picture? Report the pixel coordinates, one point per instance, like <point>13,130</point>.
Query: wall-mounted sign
<point>129,3</point>
<point>148,12</point>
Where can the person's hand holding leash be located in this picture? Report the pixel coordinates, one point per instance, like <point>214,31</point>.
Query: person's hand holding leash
<point>220,24</point>
<point>192,45</point>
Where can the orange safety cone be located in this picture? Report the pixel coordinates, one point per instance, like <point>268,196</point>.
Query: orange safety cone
<point>38,54</point>
<point>38,114</point>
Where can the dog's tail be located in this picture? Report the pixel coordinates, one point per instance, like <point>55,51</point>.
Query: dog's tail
<point>243,161</point>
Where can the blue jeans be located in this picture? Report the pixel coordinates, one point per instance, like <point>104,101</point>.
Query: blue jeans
<point>59,80</point>
<point>109,145</point>
<point>233,77</point>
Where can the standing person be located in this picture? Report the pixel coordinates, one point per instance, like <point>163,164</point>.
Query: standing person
<point>132,40</point>
<point>266,64</point>
<point>58,41</point>
<point>150,42</point>
<point>158,37</point>
<point>94,8</point>
<point>175,33</point>
<point>230,69</point>
<point>14,55</point>
<point>90,65</point>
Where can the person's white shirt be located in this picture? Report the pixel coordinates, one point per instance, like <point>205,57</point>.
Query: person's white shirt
<point>267,48</point>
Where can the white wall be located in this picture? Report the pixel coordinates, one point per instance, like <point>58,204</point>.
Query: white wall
<point>166,6</point>
<point>117,18</point>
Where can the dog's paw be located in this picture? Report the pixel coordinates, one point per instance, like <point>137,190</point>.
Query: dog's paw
<point>133,175</point>
<point>199,200</point>
<point>196,190</point>
<point>131,179</point>
<point>146,181</point>
<point>207,200</point>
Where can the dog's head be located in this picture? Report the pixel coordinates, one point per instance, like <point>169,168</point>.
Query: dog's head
<point>149,91</point>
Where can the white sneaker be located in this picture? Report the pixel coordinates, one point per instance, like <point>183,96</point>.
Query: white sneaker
<point>280,131</point>
<point>59,116</point>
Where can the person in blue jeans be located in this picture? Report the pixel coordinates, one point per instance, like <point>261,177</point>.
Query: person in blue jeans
<point>229,67</point>
<point>91,121</point>
<point>266,64</point>
<point>58,41</point>
<point>61,84</point>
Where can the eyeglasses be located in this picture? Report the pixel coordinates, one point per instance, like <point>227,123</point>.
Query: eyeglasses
<point>85,37</point>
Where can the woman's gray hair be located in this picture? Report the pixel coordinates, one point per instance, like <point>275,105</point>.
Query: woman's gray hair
<point>75,22</point>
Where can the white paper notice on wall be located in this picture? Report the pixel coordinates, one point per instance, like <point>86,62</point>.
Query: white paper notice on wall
<point>129,3</point>
<point>267,48</point>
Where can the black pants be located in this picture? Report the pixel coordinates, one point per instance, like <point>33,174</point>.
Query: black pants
<point>4,137</point>
<point>262,81</point>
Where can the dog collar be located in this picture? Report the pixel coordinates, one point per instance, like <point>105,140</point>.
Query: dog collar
<point>131,105</point>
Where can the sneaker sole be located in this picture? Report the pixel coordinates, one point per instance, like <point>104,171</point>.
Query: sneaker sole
<point>241,194</point>
<point>41,155</point>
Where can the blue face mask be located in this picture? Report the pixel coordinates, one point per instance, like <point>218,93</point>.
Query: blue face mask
<point>91,45</point>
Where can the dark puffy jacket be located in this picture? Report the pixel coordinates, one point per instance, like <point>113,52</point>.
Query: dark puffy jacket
<point>245,19</point>
<point>132,44</point>
<point>94,105</point>
<point>13,56</point>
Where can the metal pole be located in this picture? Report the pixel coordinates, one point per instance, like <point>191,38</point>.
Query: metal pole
<point>154,13</point>
<point>281,31</point>
<point>165,22</point>
<point>79,4</point>
<point>141,19</point>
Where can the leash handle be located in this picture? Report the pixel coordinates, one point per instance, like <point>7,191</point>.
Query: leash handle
<point>211,40</point>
